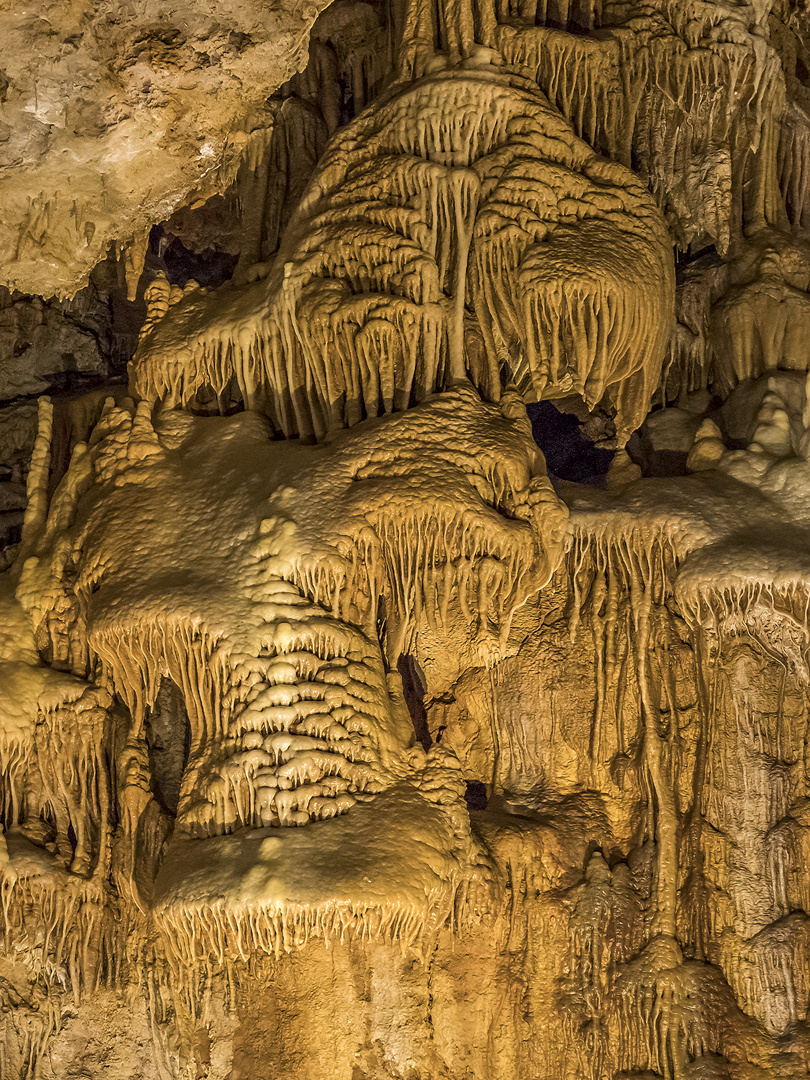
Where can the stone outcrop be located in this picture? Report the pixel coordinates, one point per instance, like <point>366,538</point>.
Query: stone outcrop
<point>114,115</point>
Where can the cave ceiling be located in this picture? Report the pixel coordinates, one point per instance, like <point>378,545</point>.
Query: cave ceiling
<point>115,115</point>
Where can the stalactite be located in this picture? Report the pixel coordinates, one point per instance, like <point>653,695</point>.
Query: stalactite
<point>212,934</point>
<point>644,567</point>
<point>626,88</point>
<point>369,303</point>
<point>636,906</point>
<point>794,163</point>
<point>37,485</point>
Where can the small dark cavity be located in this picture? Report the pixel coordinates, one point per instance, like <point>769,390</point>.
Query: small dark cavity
<point>414,690</point>
<point>209,268</point>
<point>476,795</point>
<point>570,455</point>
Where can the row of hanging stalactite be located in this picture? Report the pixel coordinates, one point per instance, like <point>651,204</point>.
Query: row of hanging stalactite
<point>445,239</point>
<point>676,949</point>
<point>643,96</point>
<point>694,958</point>
<point>656,96</point>
<point>652,100</point>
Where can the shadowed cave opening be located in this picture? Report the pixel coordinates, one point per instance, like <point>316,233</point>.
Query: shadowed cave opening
<point>168,737</point>
<point>569,453</point>
<point>210,267</point>
<point>476,795</point>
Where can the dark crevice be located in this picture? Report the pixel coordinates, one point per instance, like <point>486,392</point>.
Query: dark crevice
<point>209,268</point>
<point>476,795</point>
<point>414,691</point>
<point>570,455</point>
<point>168,737</point>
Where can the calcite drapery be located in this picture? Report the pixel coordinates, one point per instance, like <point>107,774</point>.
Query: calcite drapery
<point>252,663</point>
<point>457,228</point>
<point>273,642</point>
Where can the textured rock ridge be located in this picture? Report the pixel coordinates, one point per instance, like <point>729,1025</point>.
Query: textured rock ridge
<point>115,115</point>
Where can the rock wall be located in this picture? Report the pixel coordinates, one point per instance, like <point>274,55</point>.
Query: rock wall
<point>353,724</point>
<point>114,116</point>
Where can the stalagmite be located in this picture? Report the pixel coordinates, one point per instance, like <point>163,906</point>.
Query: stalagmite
<point>708,447</point>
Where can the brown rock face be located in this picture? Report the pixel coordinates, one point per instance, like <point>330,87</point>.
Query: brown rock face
<point>113,115</point>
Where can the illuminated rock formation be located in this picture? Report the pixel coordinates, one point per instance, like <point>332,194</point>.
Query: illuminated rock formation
<point>343,736</point>
<point>456,228</point>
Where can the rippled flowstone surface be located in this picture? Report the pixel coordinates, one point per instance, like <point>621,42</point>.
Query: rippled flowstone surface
<point>405,579</point>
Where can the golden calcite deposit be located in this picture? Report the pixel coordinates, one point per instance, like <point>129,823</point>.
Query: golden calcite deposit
<point>404,674</point>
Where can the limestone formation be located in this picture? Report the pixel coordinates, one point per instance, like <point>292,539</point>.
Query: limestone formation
<point>361,718</point>
<point>113,115</point>
<point>457,227</point>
